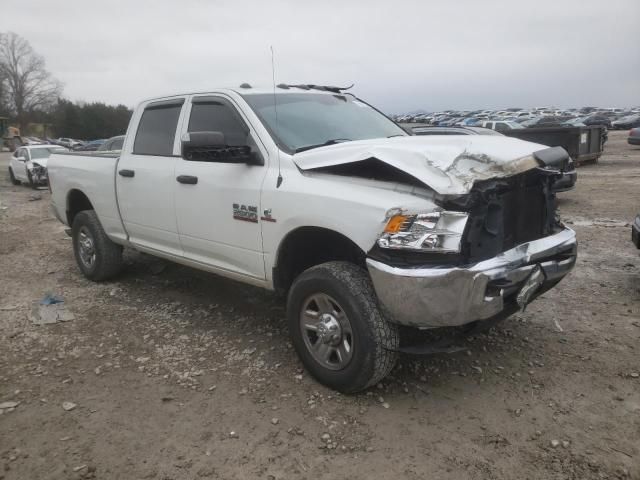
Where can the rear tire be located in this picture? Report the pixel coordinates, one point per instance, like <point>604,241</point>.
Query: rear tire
<point>366,349</point>
<point>12,177</point>
<point>96,255</point>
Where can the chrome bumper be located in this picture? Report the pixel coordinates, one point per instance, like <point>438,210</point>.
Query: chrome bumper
<point>444,297</point>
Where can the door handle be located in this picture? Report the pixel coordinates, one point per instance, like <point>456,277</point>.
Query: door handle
<point>187,179</point>
<point>126,173</point>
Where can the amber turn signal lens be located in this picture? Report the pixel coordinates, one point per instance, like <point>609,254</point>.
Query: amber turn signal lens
<point>395,223</point>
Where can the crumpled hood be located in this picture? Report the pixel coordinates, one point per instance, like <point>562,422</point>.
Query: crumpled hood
<point>448,164</point>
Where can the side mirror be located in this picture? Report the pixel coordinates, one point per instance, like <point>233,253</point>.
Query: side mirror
<point>212,147</point>
<point>21,159</point>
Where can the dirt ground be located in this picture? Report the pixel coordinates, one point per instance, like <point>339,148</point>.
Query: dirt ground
<point>177,374</point>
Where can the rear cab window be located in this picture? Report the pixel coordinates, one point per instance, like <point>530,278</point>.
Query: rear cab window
<point>157,128</point>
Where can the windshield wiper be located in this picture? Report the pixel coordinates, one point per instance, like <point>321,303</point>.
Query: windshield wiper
<point>328,142</point>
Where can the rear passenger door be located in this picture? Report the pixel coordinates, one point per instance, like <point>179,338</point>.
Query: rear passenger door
<point>219,216</point>
<point>145,177</point>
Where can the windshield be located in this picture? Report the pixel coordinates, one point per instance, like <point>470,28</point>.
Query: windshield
<point>40,153</point>
<point>309,120</point>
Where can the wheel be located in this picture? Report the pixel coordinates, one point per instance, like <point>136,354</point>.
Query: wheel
<point>96,255</point>
<point>338,329</point>
<point>12,177</point>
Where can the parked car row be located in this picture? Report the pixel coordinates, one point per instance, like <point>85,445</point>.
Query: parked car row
<point>615,118</point>
<point>28,163</point>
<point>111,144</point>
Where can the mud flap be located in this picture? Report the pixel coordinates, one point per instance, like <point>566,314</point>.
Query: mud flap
<point>531,285</point>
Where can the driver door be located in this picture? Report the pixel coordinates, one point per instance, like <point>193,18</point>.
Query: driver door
<point>218,211</point>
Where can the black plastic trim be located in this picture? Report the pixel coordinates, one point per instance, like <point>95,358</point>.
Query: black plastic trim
<point>174,102</point>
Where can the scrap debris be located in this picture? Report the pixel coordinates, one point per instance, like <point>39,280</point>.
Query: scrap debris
<point>50,309</point>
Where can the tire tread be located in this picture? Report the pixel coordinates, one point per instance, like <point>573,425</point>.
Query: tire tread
<point>109,257</point>
<point>385,335</point>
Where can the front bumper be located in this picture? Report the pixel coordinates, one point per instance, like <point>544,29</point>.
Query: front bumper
<point>446,297</point>
<point>635,232</point>
<point>566,182</point>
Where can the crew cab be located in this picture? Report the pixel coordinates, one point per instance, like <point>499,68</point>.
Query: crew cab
<point>311,192</point>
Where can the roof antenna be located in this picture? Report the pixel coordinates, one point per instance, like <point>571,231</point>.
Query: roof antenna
<point>275,107</point>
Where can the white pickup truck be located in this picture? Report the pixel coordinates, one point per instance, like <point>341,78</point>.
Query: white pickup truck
<point>307,190</point>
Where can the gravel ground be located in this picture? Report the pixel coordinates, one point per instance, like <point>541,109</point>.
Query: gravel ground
<point>176,374</point>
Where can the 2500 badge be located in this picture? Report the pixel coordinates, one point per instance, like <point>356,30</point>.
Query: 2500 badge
<point>246,213</point>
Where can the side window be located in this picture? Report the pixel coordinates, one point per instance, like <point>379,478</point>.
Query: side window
<point>501,126</point>
<point>117,144</point>
<point>157,128</point>
<point>216,115</point>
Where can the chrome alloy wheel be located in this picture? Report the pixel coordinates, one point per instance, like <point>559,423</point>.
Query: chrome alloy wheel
<point>326,331</point>
<point>86,247</point>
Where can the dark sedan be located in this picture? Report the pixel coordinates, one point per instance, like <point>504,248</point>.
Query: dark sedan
<point>90,146</point>
<point>597,120</point>
<point>630,121</point>
<point>567,182</point>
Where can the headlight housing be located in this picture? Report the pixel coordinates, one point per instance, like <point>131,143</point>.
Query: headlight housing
<point>439,231</point>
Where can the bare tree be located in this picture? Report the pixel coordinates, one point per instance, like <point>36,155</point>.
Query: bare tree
<point>28,86</point>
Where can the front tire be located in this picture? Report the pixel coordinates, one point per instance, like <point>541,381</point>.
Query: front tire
<point>96,255</point>
<point>12,177</point>
<point>338,329</point>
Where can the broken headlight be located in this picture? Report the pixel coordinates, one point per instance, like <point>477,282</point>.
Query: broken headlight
<point>432,232</point>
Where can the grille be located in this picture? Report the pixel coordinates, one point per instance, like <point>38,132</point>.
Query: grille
<point>511,212</point>
<point>524,215</point>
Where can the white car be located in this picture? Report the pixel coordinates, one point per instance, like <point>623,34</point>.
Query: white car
<point>313,193</point>
<point>500,125</point>
<point>29,164</point>
<point>68,142</point>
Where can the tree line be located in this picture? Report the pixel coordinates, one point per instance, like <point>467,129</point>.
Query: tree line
<point>31,98</point>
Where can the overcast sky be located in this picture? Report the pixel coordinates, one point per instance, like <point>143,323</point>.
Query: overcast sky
<point>401,55</point>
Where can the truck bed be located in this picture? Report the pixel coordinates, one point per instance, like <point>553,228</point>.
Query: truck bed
<point>94,175</point>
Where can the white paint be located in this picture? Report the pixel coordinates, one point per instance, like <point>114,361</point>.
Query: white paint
<point>449,164</point>
<point>194,225</point>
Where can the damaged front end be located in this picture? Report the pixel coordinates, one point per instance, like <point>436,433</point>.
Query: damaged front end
<point>489,243</point>
<point>513,248</point>
<point>37,174</point>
